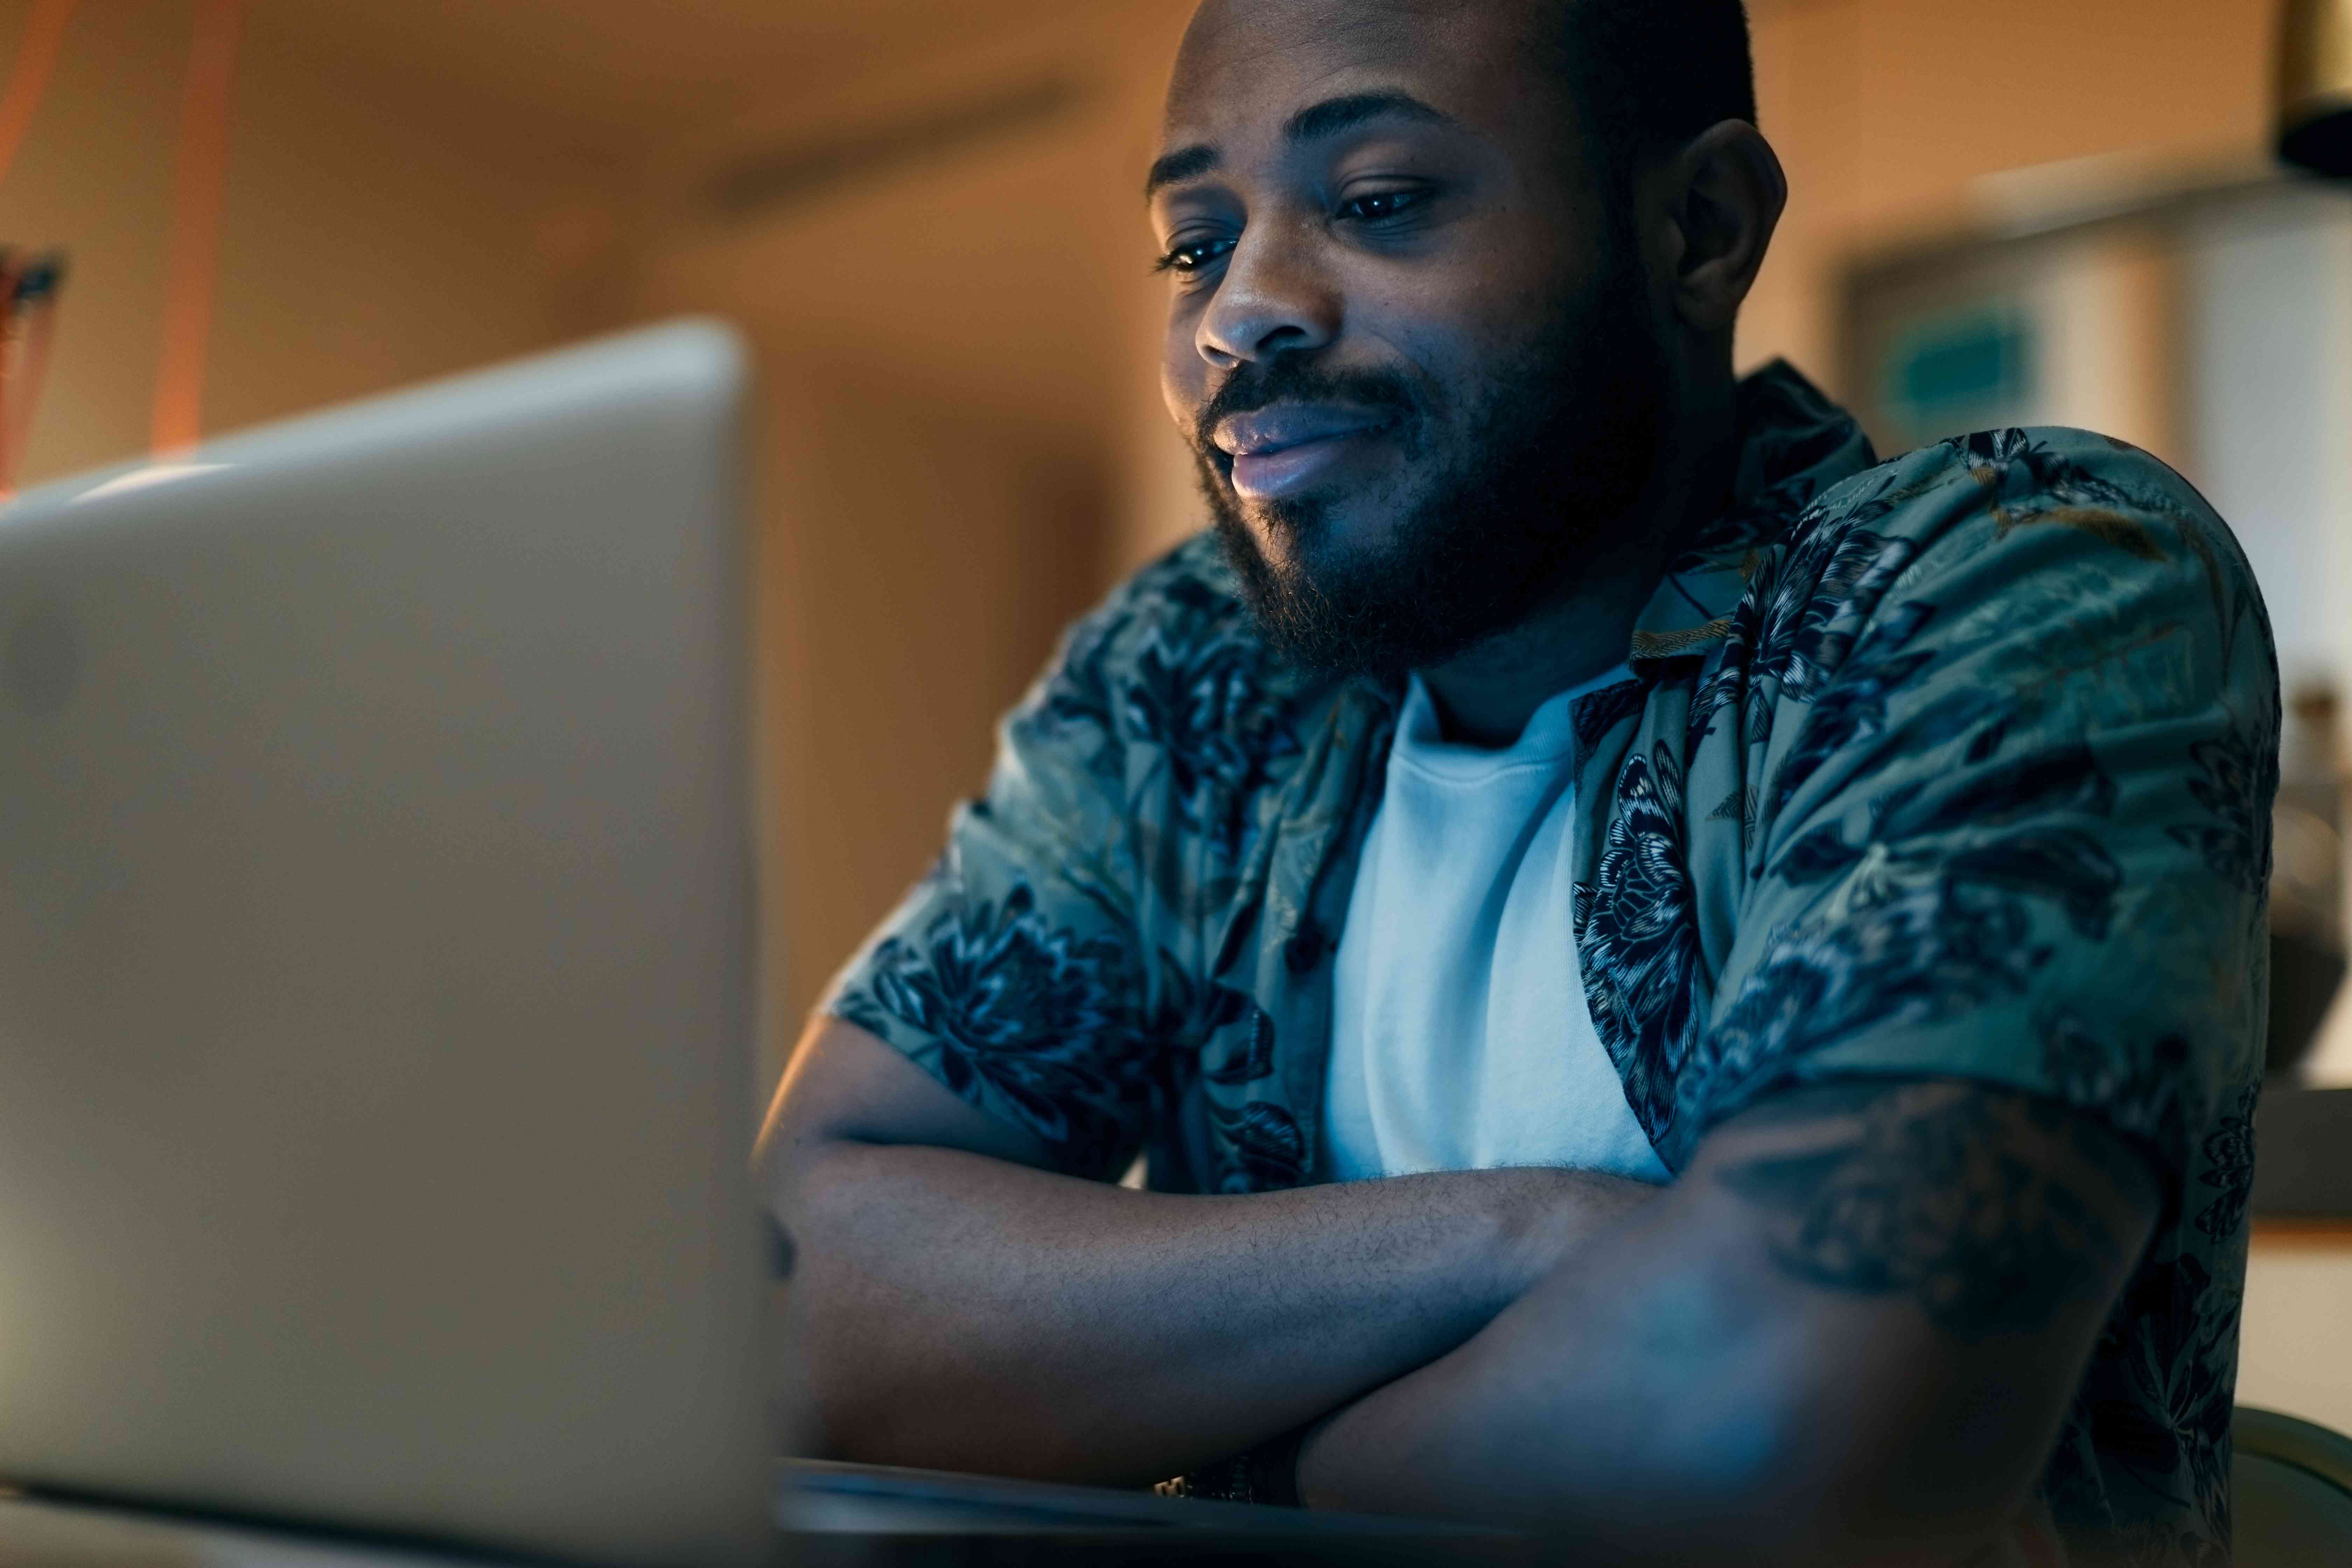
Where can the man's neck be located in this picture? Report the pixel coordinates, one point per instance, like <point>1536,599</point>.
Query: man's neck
<point>1485,695</point>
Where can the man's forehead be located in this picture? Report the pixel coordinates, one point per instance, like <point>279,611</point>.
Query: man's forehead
<point>1245,61</point>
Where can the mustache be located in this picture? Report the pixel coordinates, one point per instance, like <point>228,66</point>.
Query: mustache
<point>1287,379</point>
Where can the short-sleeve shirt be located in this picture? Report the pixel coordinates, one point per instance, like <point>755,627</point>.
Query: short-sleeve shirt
<point>1957,765</point>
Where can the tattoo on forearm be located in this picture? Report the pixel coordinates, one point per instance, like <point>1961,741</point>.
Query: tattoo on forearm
<point>1956,1195</point>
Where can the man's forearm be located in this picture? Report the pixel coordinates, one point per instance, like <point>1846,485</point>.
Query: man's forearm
<point>963,1312</point>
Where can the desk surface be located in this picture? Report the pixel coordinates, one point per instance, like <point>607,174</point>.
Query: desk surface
<point>842,1515</point>
<point>62,1535</point>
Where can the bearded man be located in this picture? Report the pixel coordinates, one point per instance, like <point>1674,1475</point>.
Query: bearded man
<point>1680,984</point>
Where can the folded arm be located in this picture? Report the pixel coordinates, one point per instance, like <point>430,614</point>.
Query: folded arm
<point>958,1305</point>
<point>1848,1334</point>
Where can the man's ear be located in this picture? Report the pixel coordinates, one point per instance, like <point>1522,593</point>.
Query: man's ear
<point>1724,193</point>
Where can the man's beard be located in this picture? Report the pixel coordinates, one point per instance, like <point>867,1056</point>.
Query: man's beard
<point>1559,441</point>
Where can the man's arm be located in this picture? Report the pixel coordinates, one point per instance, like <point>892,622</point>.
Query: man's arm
<point>1848,1334</point>
<point>959,1306</point>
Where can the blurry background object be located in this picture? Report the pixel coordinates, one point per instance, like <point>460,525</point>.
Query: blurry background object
<point>28,74</point>
<point>2315,86</point>
<point>2291,1491</point>
<point>192,256</point>
<point>28,285</point>
<point>2306,877</point>
<point>28,308</point>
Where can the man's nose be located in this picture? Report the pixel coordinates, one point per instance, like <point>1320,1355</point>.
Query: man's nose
<point>1271,300</point>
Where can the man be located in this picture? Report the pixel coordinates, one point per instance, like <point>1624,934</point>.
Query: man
<point>1682,985</point>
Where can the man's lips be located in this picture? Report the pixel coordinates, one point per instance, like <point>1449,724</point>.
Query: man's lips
<point>1287,447</point>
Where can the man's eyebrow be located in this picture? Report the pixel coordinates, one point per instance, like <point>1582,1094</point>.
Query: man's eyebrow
<point>1184,164</point>
<point>1334,115</point>
<point>1312,123</point>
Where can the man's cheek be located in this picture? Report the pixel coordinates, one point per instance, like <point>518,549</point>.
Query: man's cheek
<point>1182,385</point>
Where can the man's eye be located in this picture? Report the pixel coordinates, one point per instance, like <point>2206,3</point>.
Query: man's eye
<point>1378,206</point>
<point>1193,255</point>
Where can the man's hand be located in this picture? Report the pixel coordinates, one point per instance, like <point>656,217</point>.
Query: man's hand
<point>1848,1334</point>
<point>958,1305</point>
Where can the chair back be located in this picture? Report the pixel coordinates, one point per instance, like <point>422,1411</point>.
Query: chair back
<point>2291,1485</point>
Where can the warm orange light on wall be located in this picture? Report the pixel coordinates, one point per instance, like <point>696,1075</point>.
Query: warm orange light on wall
<point>28,285</point>
<point>35,57</point>
<point>193,258</point>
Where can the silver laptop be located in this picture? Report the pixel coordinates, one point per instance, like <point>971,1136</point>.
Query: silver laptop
<point>375,971</point>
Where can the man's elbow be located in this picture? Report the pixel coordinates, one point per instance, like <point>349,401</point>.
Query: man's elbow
<point>1835,1481</point>
<point>822,1194</point>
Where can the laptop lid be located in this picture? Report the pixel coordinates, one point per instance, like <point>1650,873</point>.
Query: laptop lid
<point>375,970</point>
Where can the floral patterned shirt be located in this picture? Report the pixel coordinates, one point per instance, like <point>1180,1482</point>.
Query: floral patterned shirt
<point>1958,765</point>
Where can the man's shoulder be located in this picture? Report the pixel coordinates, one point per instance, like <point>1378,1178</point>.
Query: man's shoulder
<point>2048,578</point>
<point>1997,719</point>
<point>2009,515</point>
<point>1999,482</point>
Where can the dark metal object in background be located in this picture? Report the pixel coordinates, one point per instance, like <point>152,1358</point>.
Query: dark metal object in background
<point>2303,1165</point>
<point>2315,86</point>
<point>2306,877</point>
<point>2305,977</point>
<point>2291,1481</point>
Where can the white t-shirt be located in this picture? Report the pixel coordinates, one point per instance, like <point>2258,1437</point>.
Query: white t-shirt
<point>1460,1038</point>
